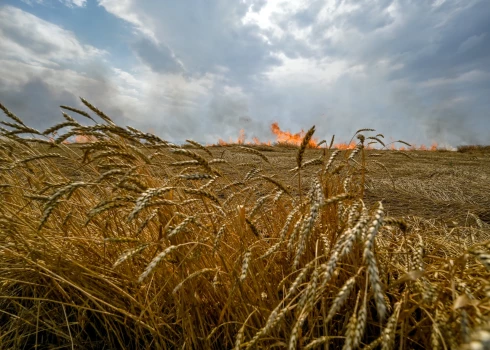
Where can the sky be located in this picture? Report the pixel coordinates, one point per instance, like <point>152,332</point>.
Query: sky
<point>205,69</point>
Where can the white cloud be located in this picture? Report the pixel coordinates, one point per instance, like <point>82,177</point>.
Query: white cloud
<point>146,97</point>
<point>53,59</point>
<point>16,74</point>
<point>127,10</point>
<point>73,3</point>
<point>304,71</point>
<point>29,39</point>
<point>30,2</point>
<point>200,36</point>
<point>69,3</point>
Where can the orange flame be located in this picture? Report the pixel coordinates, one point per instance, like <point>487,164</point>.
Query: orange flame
<point>344,146</point>
<point>241,137</point>
<point>287,137</point>
<point>85,138</point>
<point>296,139</point>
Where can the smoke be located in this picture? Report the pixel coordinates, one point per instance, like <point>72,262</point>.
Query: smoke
<point>208,75</point>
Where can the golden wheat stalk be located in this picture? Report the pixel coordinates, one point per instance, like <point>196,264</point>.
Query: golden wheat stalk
<point>157,260</point>
<point>145,198</point>
<point>254,151</point>
<point>274,318</point>
<point>309,222</point>
<point>196,176</point>
<point>129,254</point>
<point>79,111</point>
<point>245,264</point>
<point>308,302</point>
<point>277,183</point>
<point>54,199</point>
<point>200,160</point>
<point>198,145</point>
<point>97,111</point>
<point>40,157</point>
<point>312,162</point>
<point>191,276</point>
<point>304,143</point>
<point>180,227</point>
<point>218,238</point>
<point>11,115</point>
<point>145,222</point>
<point>202,193</point>
<point>341,298</point>
<point>282,234</point>
<point>388,335</point>
<point>251,173</point>
<point>370,259</point>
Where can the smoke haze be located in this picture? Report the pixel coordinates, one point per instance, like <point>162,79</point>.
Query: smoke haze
<point>417,71</point>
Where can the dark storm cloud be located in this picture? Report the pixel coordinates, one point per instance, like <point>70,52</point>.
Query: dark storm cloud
<point>420,43</point>
<point>37,102</point>
<point>459,45</point>
<point>436,50</point>
<point>429,41</point>
<point>39,110</point>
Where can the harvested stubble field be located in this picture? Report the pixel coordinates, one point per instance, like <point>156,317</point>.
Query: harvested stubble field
<point>131,242</point>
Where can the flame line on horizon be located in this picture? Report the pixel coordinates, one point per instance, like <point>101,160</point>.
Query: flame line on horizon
<point>295,139</point>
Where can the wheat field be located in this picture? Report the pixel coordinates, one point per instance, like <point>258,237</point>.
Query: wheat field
<point>129,241</point>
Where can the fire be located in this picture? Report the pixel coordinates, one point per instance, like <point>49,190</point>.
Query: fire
<point>241,137</point>
<point>287,137</point>
<point>295,139</point>
<point>281,136</point>
<point>77,139</point>
<point>240,140</point>
<point>344,146</point>
<point>85,138</point>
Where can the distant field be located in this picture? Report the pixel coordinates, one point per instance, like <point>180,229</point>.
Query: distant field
<point>131,242</point>
<point>442,185</point>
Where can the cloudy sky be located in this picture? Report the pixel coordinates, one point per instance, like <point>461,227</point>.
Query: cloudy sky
<point>413,70</point>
